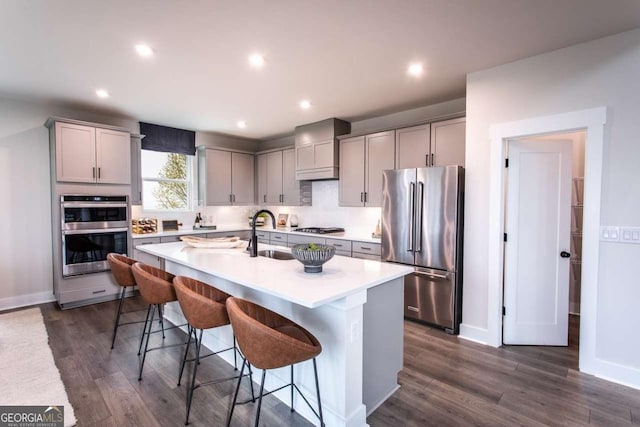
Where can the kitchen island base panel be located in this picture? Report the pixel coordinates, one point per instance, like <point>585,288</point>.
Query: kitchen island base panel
<point>343,368</point>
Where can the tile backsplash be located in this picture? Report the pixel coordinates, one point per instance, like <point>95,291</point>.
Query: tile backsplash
<point>324,212</point>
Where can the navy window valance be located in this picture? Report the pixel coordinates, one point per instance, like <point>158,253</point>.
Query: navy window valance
<point>168,140</point>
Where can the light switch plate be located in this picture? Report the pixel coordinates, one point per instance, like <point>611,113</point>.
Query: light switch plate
<point>609,233</point>
<point>630,235</point>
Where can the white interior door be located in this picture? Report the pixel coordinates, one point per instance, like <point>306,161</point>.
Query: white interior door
<point>537,223</point>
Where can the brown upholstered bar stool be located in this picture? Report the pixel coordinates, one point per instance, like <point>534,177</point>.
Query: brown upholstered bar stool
<point>204,308</point>
<point>268,341</point>
<point>121,269</point>
<point>156,287</point>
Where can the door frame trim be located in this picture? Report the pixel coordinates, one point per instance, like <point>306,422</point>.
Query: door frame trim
<point>593,121</point>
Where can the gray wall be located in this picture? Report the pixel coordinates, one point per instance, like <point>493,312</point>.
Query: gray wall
<point>603,72</point>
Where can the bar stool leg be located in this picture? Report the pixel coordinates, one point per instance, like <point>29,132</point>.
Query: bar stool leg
<point>253,395</point>
<point>264,373</point>
<point>184,358</point>
<point>117,322</point>
<point>292,410</point>
<point>315,373</point>
<point>161,319</point>
<point>193,378</point>
<point>146,345</point>
<point>144,330</point>
<point>235,351</point>
<point>235,394</point>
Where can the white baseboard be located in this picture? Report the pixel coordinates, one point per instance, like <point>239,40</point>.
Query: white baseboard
<point>473,333</point>
<point>617,373</point>
<point>26,300</point>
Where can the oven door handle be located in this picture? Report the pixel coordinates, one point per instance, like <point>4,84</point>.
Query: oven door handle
<point>93,205</point>
<point>95,231</point>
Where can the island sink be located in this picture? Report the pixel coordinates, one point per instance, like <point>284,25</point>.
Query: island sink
<point>271,253</point>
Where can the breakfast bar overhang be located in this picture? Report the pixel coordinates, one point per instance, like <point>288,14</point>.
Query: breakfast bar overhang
<point>354,308</point>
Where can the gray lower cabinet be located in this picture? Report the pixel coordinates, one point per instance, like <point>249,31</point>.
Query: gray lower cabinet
<point>263,236</point>
<point>242,234</point>
<point>144,257</point>
<point>297,239</point>
<point>365,250</point>
<point>279,239</point>
<point>363,159</point>
<point>343,247</point>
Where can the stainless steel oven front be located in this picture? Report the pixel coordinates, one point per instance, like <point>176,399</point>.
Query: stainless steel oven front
<point>92,227</point>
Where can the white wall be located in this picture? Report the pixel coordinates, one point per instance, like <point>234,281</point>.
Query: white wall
<point>603,72</point>
<point>25,217</point>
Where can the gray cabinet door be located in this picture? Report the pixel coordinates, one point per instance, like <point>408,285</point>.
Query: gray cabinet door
<point>75,153</point>
<point>113,156</point>
<point>352,160</point>
<point>274,178</point>
<point>262,179</point>
<point>242,179</point>
<point>136,171</point>
<point>290,187</point>
<point>218,173</point>
<point>412,147</point>
<point>448,142</point>
<point>380,155</point>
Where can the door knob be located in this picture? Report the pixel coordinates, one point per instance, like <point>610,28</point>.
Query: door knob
<point>565,254</point>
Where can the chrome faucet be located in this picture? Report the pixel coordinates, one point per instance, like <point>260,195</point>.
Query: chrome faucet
<point>252,248</point>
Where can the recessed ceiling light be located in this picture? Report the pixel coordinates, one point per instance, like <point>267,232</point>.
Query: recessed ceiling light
<point>305,104</point>
<point>415,69</point>
<point>144,50</point>
<point>256,60</point>
<point>101,93</point>
<point>242,124</point>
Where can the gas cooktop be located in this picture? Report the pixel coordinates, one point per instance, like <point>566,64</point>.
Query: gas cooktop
<point>320,230</point>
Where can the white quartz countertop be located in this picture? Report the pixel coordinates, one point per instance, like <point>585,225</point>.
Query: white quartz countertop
<point>359,237</point>
<point>341,276</point>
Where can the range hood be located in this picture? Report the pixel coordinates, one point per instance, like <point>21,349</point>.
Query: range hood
<point>317,149</point>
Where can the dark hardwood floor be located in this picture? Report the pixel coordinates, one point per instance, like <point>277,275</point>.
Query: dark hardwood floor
<point>446,381</point>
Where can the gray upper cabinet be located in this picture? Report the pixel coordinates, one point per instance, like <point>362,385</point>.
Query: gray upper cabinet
<point>436,144</point>
<point>277,184</point>
<point>316,149</point>
<point>448,142</point>
<point>92,155</point>
<point>261,177</point>
<point>225,177</point>
<point>412,147</point>
<point>136,170</point>
<point>363,160</point>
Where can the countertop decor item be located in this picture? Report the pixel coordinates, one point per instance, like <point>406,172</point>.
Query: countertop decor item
<point>144,225</point>
<point>313,255</point>
<point>215,243</point>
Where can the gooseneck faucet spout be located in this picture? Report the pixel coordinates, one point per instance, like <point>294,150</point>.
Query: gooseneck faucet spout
<point>253,243</point>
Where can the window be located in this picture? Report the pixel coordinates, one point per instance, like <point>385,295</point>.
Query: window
<point>167,180</point>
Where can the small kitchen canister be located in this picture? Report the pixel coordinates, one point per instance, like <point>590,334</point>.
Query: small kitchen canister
<point>293,220</point>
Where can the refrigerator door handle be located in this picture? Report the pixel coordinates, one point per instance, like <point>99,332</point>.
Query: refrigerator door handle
<point>432,275</point>
<point>418,224</point>
<point>412,210</point>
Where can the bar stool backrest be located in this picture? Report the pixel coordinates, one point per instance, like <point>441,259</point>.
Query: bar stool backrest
<point>155,285</point>
<point>121,269</point>
<point>267,339</point>
<point>202,304</point>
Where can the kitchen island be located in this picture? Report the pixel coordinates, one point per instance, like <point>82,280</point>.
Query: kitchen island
<point>354,308</point>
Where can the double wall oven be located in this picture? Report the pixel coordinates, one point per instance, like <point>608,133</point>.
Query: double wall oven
<point>92,227</point>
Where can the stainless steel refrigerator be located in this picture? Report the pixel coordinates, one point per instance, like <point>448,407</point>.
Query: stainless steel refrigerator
<point>422,218</point>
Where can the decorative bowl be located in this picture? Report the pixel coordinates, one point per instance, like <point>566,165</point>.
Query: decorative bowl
<point>313,255</point>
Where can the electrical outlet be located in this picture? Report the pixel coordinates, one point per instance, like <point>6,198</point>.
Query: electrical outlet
<point>630,235</point>
<point>609,233</point>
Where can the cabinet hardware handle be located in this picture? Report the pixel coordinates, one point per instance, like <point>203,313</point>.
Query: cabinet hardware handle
<point>100,291</point>
<point>93,173</point>
<point>419,202</point>
<point>426,160</point>
<point>431,275</point>
<point>264,198</point>
<point>366,197</point>
<point>432,159</point>
<point>364,248</point>
<point>412,213</point>
<point>230,198</point>
<point>98,173</point>
<point>234,198</point>
<point>361,196</point>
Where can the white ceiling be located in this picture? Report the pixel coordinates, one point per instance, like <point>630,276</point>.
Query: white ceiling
<point>349,57</point>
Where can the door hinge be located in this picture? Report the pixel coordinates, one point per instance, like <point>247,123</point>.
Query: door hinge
<point>505,237</point>
<point>504,310</point>
<point>506,163</point>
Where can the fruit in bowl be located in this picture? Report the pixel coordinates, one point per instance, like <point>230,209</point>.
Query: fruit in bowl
<point>313,255</point>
